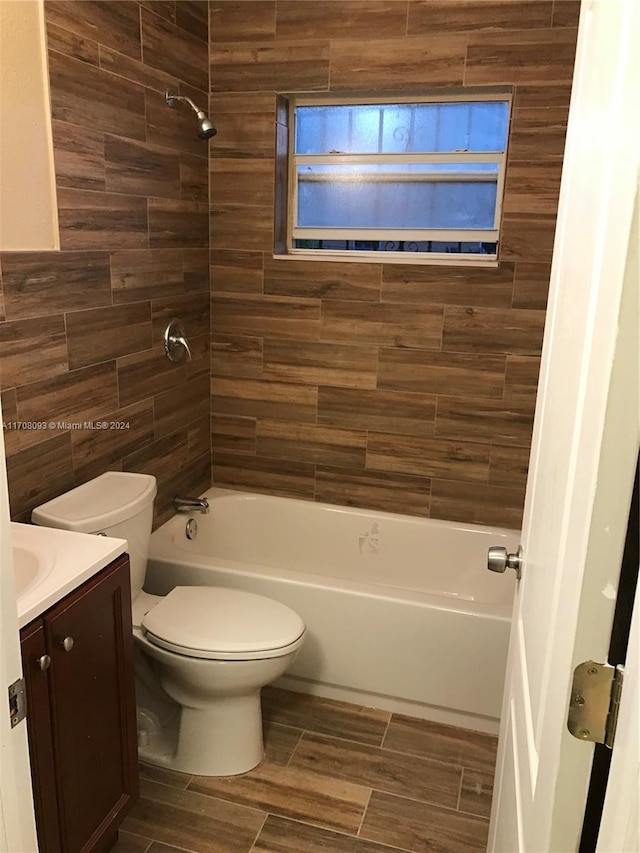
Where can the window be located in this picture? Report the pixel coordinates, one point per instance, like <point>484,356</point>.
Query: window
<point>423,176</point>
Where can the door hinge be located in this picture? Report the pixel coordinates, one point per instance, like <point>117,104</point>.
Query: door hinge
<point>595,700</point>
<point>17,702</point>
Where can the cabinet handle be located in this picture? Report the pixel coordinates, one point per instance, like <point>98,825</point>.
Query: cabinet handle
<point>44,662</point>
<point>67,644</point>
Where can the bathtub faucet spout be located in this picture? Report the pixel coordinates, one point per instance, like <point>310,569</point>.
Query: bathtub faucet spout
<point>191,504</point>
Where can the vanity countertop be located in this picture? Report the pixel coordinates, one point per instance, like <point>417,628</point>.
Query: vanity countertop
<point>50,563</point>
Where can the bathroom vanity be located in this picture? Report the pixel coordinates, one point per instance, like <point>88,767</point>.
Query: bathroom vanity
<point>77,658</point>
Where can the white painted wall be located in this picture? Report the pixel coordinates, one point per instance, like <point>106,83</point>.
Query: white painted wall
<point>17,825</point>
<point>28,209</point>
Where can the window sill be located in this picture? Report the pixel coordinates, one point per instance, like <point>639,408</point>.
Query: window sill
<point>387,258</point>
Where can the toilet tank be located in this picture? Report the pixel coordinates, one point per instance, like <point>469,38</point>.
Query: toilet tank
<point>116,503</point>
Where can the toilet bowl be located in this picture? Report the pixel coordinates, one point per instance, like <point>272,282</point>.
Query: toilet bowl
<point>203,654</point>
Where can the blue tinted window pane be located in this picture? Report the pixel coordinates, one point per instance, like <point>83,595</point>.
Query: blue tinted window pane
<point>453,126</point>
<point>488,126</point>
<point>358,171</point>
<point>331,197</point>
<point>402,128</point>
<point>397,129</point>
<point>365,137</point>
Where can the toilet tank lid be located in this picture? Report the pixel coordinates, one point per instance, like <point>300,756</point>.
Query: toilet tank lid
<point>106,500</point>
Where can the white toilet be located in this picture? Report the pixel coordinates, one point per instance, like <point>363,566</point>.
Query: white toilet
<point>202,653</point>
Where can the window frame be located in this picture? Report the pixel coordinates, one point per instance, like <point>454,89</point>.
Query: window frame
<point>285,247</point>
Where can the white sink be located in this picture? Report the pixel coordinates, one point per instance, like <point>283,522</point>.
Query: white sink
<point>30,567</point>
<point>50,563</point>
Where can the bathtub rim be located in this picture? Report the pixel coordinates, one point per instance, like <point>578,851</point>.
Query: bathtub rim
<point>377,591</point>
<point>172,553</point>
<point>222,491</point>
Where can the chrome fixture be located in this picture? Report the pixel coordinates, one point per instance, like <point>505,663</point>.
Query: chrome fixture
<point>175,342</point>
<point>499,560</point>
<point>67,643</point>
<point>191,505</point>
<point>205,127</point>
<point>191,530</point>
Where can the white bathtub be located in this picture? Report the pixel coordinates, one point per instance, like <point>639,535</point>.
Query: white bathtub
<point>401,612</point>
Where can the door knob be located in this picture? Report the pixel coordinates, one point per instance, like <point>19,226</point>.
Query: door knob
<point>44,662</point>
<point>499,560</point>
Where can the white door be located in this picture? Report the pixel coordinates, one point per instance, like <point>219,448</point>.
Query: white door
<point>620,827</point>
<point>17,828</point>
<point>584,447</point>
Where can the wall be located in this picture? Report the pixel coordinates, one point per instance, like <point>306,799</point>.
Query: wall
<point>399,387</point>
<point>82,328</point>
<point>28,214</point>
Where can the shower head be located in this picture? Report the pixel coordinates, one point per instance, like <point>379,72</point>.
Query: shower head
<point>205,127</point>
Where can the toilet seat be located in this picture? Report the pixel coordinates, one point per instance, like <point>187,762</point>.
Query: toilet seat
<point>217,623</point>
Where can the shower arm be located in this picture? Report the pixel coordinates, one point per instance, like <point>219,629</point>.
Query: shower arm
<point>171,99</point>
<point>205,127</point>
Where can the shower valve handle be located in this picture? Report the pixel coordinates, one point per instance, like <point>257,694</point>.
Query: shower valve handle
<point>499,560</point>
<point>175,342</point>
<point>180,340</point>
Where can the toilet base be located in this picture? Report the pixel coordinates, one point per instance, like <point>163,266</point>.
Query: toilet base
<point>223,740</point>
<point>212,725</point>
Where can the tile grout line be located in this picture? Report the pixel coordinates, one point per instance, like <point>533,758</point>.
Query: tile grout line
<point>460,789</point>
<point>259,832</point>
<point>288,764</point>
<point>386,731</point>
<point>153,841</point>
<point>473,814</point>
<point>364,812</point>
<point>293,751</point>
<point>166,784</point>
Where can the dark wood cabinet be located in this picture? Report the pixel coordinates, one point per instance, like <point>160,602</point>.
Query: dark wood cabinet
<point>81,714</point>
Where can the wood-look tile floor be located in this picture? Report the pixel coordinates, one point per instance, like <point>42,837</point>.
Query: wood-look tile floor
<point>337,778</point>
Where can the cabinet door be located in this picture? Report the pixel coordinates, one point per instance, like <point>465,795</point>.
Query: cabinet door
<point>90,641</point>
<point>33,649</point>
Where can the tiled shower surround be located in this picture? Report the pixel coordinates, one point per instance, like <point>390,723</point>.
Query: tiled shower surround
<point>393,386</point>
<point>83,334</point>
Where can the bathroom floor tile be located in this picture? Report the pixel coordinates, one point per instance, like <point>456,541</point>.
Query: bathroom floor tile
<point>164,777</point>
<point>325,716</point>
<point>192,821</point>
<point>128,843</point>
<point>382,769</point>
<point>420,827</point>
<point>279,742</point>
<point>156,847</point>
<point>286,836</point>
<point>336,778</point>
<point>476,792</point>
<point>444,743</point>
<point>294,793</point>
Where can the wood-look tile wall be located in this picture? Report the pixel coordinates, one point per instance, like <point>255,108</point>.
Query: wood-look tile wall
<point>393,386</point>
<point>81,337</point>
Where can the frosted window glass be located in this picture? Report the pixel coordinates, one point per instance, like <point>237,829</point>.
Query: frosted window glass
<point>402,128</point>
<point>397,205</point>
<point>397,196</point>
